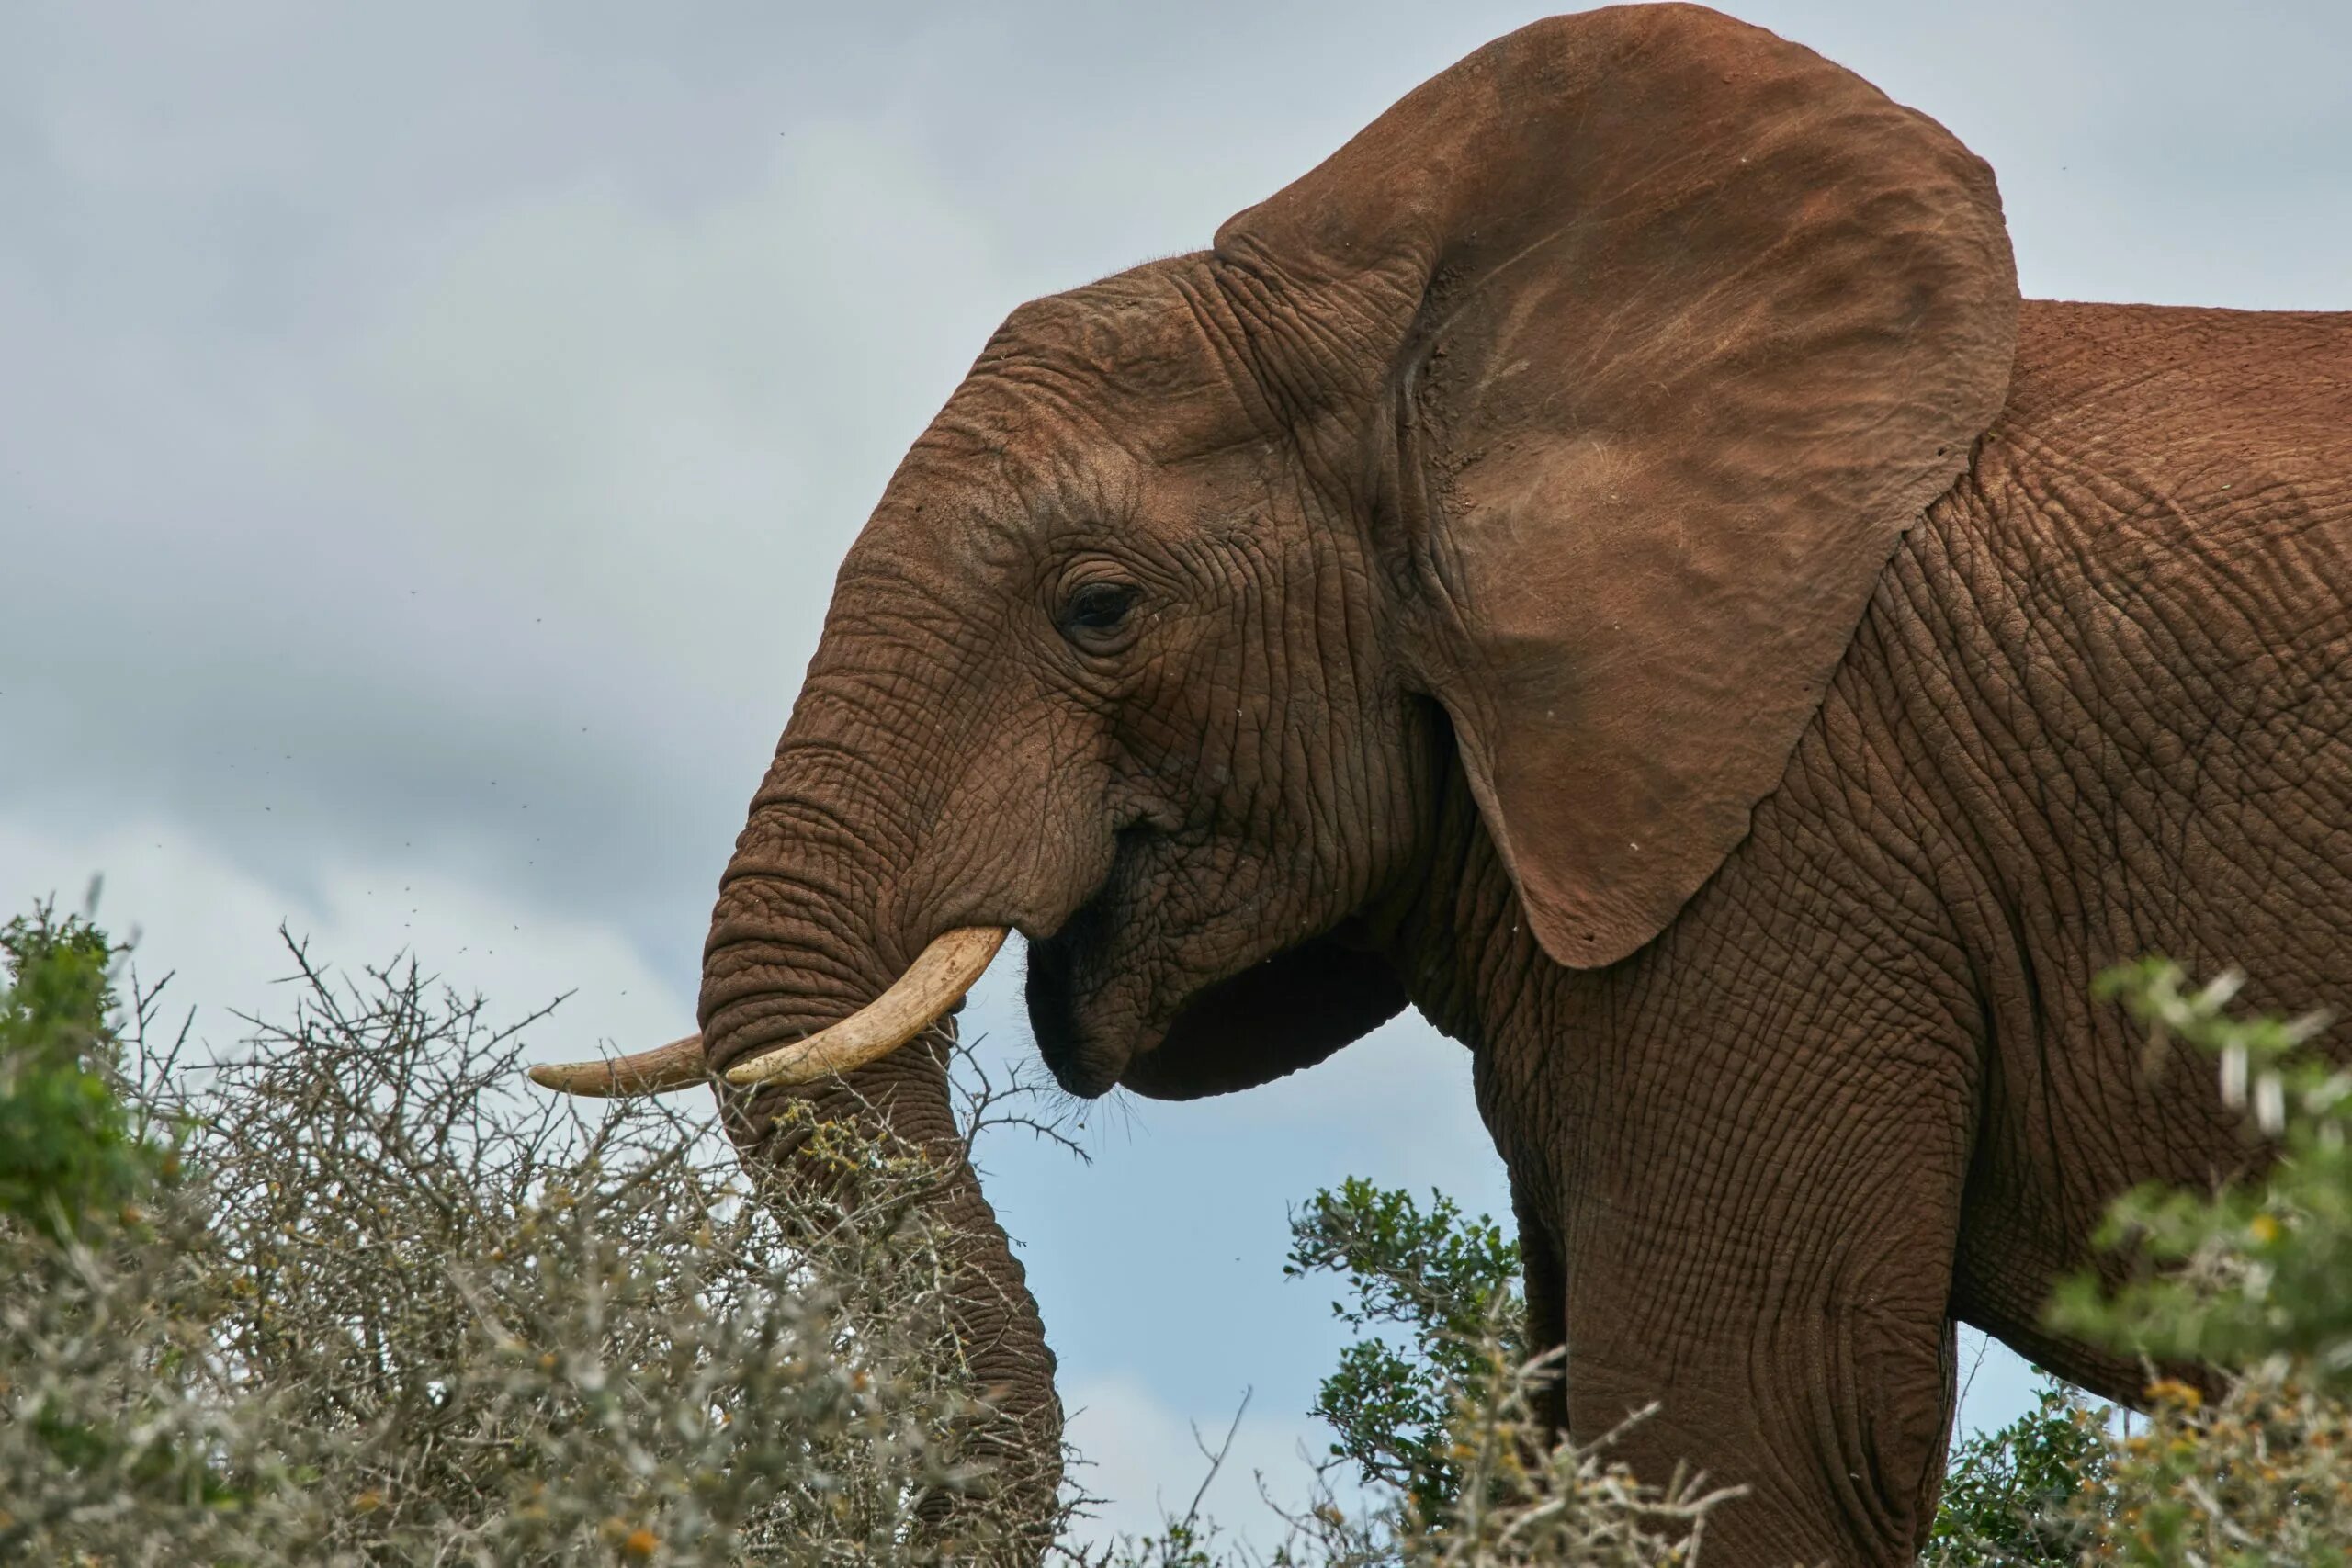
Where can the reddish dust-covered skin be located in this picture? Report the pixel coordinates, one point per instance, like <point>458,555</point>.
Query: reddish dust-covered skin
<point>1605,560</point>
<point>1858,1089</point>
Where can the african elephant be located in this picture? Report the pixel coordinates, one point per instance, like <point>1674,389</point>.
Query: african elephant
<point>1609,560</point>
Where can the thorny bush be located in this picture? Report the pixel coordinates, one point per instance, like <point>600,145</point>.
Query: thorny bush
<point>345,1295</point>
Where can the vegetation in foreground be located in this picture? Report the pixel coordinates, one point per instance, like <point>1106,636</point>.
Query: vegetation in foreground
<point>340,1296</point>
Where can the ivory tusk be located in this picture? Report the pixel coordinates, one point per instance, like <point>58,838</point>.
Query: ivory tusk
<point>657,1071</point>
<point>935,982</point>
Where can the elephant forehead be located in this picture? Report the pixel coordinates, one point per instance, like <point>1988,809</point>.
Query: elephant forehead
<point>968,516</point>
<point>989,483</point>
<point>1010,472</point>
<point>1136,332</point>
<point>1136,362</point>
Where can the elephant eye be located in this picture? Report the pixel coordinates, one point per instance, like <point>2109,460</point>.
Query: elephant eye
<point>1098,607</point>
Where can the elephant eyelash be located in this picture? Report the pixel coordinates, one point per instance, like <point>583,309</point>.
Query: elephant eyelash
<point>1099,608</point>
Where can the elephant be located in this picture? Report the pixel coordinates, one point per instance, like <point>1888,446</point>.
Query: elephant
<point>1609,560</point>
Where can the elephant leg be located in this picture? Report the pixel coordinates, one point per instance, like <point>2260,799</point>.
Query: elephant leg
<point>1834,1416</point>
<point>1546,1300</point>
<point>1780,1285</point>
<point>1835,1423</point>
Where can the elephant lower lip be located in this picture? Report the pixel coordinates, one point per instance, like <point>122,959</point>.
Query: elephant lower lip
<point>1079,1063</point>
<point>1070,967</point>
<point>1082,1061</point>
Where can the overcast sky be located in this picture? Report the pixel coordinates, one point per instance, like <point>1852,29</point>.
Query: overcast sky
<point>427,435</point>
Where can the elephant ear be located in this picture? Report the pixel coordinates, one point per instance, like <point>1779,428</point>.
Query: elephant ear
<point>1646,333</point>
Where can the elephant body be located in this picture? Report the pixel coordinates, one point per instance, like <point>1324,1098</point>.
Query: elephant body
<point>2099,705</point>
<point>1607,559</point>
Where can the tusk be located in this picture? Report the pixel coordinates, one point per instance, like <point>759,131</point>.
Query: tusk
<point>935,982</point>
<point>657,1071</point>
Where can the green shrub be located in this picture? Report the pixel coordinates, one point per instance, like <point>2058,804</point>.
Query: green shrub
<point>72,1153</point>
<point>2009,1495</point>
<point>2258,1270</point>
<point>2250,1280</point>
<point>1444,1285</point>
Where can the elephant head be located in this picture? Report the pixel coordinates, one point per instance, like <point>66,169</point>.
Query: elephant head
<point>1548,438</point>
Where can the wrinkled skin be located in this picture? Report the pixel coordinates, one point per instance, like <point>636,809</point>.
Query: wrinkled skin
<point>1608,561</point>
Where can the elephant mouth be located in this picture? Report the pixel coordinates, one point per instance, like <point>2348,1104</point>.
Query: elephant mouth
<point>1087,1007</point>
<point>1283,1013</point>
<point>1099,1027</point>
<point>1060,967</point>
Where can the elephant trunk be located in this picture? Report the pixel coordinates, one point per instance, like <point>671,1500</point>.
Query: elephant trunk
<point>800,941</point>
